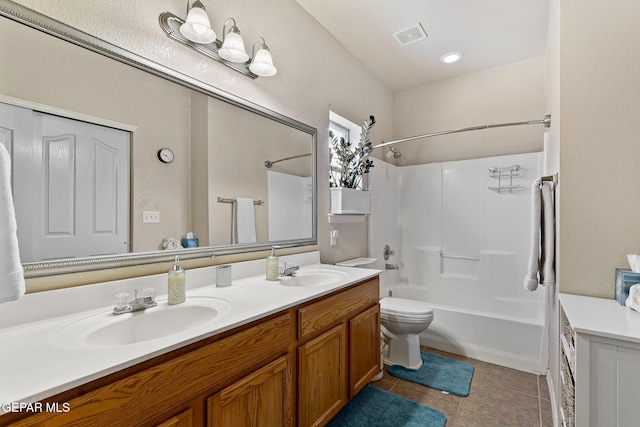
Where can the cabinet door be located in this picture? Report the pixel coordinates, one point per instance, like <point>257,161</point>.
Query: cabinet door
<point>322,377</point>
<point>364,348</point>
<point>262,399</point>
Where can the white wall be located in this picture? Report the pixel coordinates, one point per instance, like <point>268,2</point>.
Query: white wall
<point>599,103</point>
<point>552,166</point>
<point>512,93</point>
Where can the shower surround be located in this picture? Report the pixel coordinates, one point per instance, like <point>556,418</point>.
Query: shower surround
<point>463,248</point>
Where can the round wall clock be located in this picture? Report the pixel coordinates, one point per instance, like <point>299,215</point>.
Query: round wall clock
<point>165,155</point>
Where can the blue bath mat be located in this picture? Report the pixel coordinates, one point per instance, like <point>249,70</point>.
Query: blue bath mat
<point>373,407</point>
<point>441,373</point>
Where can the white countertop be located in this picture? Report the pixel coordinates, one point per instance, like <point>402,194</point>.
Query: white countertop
<point>33,367</point>
<point>601,317</point>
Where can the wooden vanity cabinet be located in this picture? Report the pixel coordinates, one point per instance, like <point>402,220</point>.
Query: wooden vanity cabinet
<point>173,392</point>
<point>313,357</point>
<point>338,351</point>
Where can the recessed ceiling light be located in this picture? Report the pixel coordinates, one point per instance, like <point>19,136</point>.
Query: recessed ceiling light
<point>450,57</point>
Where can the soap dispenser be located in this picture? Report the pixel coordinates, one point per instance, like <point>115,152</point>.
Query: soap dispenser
<point>177,283</point>
<point>272,264</point>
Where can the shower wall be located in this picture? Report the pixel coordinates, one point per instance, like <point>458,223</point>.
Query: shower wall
<point>466,243</point>
<point>384,221</point>
<point>290,206</point>
<point>463,249</point>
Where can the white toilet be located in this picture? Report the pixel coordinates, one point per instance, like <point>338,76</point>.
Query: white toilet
<point>401,322</point>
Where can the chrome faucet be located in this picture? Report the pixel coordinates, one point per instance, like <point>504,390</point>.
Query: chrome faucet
<point>137,304</point>
<point>289,271</point>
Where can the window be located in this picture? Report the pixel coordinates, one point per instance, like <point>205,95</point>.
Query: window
<point>341,128</point>
<point>335,131</point>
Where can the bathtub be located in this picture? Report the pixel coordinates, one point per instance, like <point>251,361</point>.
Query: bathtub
<point>506,331</point>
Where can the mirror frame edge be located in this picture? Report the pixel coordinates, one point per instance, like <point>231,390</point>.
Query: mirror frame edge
<point>37,21</point>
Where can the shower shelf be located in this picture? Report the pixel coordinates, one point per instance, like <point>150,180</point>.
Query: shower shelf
<point>510,188</point>
<point>502,174</point>
<point>345,218</point>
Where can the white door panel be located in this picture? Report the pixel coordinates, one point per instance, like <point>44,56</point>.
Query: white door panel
<point>77,191</point>
<point>58,190</point>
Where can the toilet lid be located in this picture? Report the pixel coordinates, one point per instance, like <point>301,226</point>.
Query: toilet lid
<point>402,306</point>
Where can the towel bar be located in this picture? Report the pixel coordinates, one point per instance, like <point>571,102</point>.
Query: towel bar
<point>553,178</point>
<point>223,200</point>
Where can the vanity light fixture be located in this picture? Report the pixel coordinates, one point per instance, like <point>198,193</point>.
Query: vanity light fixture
<point>261,61</point>
<point>232,48</point>
<point>197,34</point>
<point>197,27</point>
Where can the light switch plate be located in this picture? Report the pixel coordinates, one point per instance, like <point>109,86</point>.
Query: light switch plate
<point>334,237</point>
<point>150,216</point>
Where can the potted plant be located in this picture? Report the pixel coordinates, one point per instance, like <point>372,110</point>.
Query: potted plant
<point>347,193</point>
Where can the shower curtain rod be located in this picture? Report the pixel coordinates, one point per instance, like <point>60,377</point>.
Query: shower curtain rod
<point>546,122</point>
<point>268,163</point>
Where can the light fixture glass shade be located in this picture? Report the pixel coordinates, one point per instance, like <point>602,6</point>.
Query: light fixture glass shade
<point>233,48</point>
<point>197,27</point>
<point>262,64</point>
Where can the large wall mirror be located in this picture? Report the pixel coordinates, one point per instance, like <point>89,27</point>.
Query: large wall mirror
<point>241,178</point>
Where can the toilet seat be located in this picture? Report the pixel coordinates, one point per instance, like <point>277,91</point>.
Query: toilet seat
<point>406,319</point>
<point>405,310</point>
<point>401,307</point>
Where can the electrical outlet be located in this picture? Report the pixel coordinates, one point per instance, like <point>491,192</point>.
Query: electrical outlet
<point>150,216</point>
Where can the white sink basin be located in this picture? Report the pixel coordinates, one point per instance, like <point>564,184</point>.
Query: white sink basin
<point>106,329</point>
<point>313,277</point>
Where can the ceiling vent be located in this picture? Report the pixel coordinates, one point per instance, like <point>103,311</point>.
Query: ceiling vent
<point>410,35</point>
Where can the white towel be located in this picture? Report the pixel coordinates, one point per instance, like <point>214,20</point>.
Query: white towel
<point>548,236</point>
<point>245,220</point>
<point>11,273</point>
<point>541,268</point>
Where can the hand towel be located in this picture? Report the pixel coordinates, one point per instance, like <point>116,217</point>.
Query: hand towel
<point>531,279</point>
<point>245,220</point>
<point>548,236</point>
<point>541,269</point>
<point>11,274</point>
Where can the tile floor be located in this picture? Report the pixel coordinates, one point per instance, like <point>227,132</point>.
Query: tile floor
<point>499,397</point>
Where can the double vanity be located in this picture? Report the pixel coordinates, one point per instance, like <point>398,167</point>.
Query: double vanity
<point>287,352</point>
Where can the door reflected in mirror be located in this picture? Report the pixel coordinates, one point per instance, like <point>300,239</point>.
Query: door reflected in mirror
<point>70,184</point>
<point>220,148</point>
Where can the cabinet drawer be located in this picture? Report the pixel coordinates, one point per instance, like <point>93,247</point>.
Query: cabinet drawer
<point>171,383</point>
<point>330,311</point>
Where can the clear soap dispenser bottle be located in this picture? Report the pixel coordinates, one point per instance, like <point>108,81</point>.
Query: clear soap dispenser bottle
<point>177,283</point>
<point>272,264</point>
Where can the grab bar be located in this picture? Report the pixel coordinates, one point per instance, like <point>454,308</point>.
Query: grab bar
<point>468,257</point>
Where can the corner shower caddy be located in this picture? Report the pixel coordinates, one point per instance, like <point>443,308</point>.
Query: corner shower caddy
<point>502,174</point>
